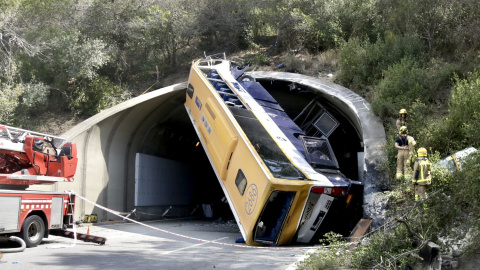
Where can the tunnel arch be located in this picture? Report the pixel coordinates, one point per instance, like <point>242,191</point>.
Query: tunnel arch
<point>108,144</point>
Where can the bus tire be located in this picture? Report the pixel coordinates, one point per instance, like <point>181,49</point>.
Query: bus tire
<point>247,78</point>
<point>33,230</point>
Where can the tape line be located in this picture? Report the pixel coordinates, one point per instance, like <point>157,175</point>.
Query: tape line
<point>184,236</point>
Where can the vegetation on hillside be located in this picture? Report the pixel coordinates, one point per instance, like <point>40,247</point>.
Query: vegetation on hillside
<point>62,57</point>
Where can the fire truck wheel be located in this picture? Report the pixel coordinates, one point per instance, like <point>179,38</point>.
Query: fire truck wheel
<point>32,231</point>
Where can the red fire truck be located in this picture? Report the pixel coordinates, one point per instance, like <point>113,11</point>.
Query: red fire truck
<point>31,158</point>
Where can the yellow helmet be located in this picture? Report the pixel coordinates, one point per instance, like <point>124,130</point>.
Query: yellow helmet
<point>403,130</point>
<point>422,152</point>
<point>402,111</point>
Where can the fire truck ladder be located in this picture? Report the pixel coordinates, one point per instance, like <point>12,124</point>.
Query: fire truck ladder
<point>14,163</point>
<point>17,135</point>
<point>71,203</point>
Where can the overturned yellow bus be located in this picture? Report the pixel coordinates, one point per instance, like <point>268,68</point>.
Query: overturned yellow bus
<point>282,182</point>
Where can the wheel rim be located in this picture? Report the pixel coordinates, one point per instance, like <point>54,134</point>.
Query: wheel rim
<point>34,231</point>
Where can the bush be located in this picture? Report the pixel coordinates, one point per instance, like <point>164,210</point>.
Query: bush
<point>98,95</point>
<point>257,59</point>
<point>458,129</point>
<point>390,249</point>
<point>464,109</point>
<point>458,193</point>
<point>362,63</point>
<point>354,64</point>
<point>332,255</point>
<point>437,134</point>
<point>293,63</point>
<point>34,101</point>
<point>9,95</point>
<point>439,78</point>
<point>403,84</point>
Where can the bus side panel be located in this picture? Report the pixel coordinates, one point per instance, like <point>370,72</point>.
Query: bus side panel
<point>223,137</point>
<point>248,205</point>
<point>217,133</point>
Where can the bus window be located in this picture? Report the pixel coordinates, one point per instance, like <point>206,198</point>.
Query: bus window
<point>272,219</point>
<point>449,163</point>
<point>241,182</point>
<point>271,154</point>
<point>319,153</point>
<point>190,90</point>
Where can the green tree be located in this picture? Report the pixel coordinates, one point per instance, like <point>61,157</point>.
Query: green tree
<point>363,63</point>
<point>169,27</point>
<point>223,24</point>
<point>463,108</point>
<point>72,57</point>
<point>12,44</point>
<point>112,22</point>
<point>97,95</point>
<point>9,94</point>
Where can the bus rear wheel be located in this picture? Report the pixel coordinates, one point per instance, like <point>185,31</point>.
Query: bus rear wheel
<point>33,230</point>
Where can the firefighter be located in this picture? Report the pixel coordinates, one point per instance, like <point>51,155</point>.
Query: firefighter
<point>422,174</point>
<point>402,119</point>
<point>405,145</point>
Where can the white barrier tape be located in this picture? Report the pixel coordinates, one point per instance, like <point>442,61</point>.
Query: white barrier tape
<point>187,237</point>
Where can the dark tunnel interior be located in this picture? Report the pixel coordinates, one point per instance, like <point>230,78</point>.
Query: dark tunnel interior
<point>174,138</point>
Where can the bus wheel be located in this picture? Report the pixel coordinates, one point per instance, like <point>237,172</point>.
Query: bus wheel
<point>247,78</point>
<point>32,231</point>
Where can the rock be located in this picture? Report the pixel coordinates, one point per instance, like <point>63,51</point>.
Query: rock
<point>447,257</point>
<point>447,264</point>
<point>450,264</point>
<point>457,253</point>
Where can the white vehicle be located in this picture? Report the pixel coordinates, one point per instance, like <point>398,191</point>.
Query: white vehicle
<point>454,162</point>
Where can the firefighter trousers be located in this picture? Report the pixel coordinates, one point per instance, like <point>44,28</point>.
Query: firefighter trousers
<point>420,192</point>
<point>403,164</point>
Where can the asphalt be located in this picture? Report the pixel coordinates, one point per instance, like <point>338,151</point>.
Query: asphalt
<point>164,244</point>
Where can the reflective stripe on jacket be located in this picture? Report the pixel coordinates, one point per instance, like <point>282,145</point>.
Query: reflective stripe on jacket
<point>422,172</point>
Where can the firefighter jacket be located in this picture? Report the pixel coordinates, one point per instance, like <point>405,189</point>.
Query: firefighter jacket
<point>411,148</point>
<point>422,172</point>
<point>401,122</point>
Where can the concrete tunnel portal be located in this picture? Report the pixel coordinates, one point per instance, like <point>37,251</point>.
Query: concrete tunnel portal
<point>143,154</point>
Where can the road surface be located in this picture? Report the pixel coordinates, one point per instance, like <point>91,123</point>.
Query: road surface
<point>166,244</point>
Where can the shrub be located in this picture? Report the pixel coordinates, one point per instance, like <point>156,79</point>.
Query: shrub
<point>437,134</point>
<point>390,249</point>
<point>332,255</point>
<point>464,113</point>
<point>293,63</point>
<point>98,95</point>
<point>459,128</point>
<point>403,84</point>
<point>362,63</point>
<point>34,97</point>
<point>33,101</point>
<point>257,59</point>
<point>9,94</point>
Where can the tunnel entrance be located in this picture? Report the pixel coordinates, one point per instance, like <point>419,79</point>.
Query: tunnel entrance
<point>185,184</point>
<point>173,176</point>
<point>345,140</point>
